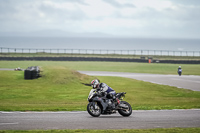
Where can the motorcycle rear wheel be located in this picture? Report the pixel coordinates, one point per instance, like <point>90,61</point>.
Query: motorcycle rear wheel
<point>125,112</point>
<point>93,111</point>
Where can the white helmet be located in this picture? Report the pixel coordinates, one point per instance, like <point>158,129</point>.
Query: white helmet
<point>94,83</point>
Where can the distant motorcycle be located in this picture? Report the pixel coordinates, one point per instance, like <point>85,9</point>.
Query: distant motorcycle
<point>18,69</point>
<point>179,72</point>
<point>101,104</point>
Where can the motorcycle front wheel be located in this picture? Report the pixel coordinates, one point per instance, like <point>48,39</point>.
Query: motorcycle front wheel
<point>127,111</point>
<point>93,109</point>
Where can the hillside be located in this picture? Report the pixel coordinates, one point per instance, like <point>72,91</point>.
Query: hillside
<point>63,89</point>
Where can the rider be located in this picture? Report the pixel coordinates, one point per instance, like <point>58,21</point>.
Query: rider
<point>179,70</point>
<point>103,88</point>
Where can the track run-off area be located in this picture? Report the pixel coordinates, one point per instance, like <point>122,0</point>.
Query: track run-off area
<point>140,119</point>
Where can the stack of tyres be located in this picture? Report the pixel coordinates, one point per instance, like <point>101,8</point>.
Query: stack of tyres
<point>27,74</point>
<point>32,72</point>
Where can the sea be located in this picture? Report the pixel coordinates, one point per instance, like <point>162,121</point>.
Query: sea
<point>80,43</point>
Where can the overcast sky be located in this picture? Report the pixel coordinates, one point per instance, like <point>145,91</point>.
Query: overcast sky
<point>120,18</point>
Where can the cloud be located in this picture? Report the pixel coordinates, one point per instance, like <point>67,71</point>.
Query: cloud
<point>155,18</point>
<point>117,4</point>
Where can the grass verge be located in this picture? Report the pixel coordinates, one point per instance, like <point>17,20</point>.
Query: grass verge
<point>158,130</point>
<point>130,56</point>
<point>155,68</point>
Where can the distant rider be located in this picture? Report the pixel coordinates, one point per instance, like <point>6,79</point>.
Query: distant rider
<point>179,70</point>
<point>102,87</point>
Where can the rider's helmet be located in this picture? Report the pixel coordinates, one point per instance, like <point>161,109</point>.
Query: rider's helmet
<point>94,83</point>
<point>179,66</point>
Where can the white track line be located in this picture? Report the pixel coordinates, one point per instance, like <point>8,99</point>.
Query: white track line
<point>9,123</point>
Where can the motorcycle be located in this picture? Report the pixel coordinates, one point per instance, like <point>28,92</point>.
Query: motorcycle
<point>179,72</point>
<point>100,103</point>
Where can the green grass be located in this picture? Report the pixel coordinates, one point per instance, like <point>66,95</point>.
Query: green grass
<point>130,56</point>
<point>158,130</point>
<point>58,89</point>
<point>155,68</point>
<point>61,89</point>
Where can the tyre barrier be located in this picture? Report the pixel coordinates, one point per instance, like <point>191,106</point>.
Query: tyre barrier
<point>99,59</point>
<point>32,72</point>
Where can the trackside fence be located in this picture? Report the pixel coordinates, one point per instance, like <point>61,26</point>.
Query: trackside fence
<point>4,50</point>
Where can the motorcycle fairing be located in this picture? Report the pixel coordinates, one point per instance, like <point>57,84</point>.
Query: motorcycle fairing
<point>101,101</point>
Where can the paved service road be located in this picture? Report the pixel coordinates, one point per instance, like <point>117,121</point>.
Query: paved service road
<point>6,69</point>
<point>185,81</point>
<point>82,120</point>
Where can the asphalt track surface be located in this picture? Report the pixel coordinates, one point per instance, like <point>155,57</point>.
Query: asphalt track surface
<point>185,81</point>
<point>82,120</point>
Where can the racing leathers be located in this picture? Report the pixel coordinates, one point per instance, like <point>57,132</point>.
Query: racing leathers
<point>106,89</point>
